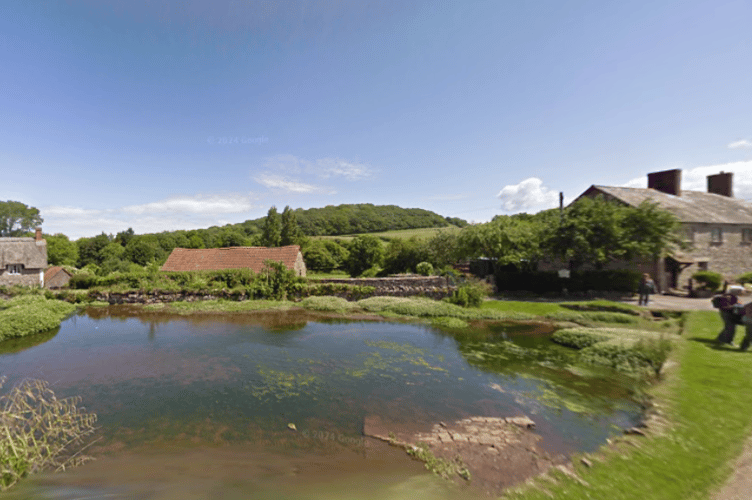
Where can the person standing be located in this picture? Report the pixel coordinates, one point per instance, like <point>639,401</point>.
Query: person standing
<point>727,302</point>
<point>645,288</point>
<point>747,321</point>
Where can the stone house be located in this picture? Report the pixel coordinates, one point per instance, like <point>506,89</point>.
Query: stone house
<point>716,227</point>
<point>56,277</point>
<point>214,259</point>
<point>23,260</point>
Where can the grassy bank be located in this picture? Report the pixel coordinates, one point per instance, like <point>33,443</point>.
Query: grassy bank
<point>707,411</point>
<point>29,314</point>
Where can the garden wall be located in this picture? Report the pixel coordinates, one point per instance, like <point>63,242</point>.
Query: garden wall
<point>436,287</point>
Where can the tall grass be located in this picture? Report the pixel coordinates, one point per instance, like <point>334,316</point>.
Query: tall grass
<point>39,431</point>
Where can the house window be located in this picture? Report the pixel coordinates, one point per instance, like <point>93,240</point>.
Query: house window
<point>746,235</point>
<point>14,268</point>
<point>716,235</point>
<point>702,266</point>
<point>689,235</point>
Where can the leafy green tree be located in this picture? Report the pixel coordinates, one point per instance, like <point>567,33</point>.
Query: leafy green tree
<point>123,237</point>
<point>509,239</point>
<point>271,231</point>
<point>89,249</point>
<point>599,231</point>
<point>403,255</point>
<point>290,233</point>
<point>143,250</point>
<point>318,258</point>
<point>366,252</point>
<point>17,218</point>
<point>442,249</point>
<point>61,251</point>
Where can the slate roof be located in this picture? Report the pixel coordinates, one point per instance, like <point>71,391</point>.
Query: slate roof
<point>27,251</point>
<point>189,259</point>
<point>690,207</point>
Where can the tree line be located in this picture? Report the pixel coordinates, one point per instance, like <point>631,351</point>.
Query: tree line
<point>588,231</point>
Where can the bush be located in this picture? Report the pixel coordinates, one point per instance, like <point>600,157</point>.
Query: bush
<point>708,280</point>
<point>424,269</point>
<point>83,280</point>
<point>470,294</point>
<point>655,352</point>
<point>579,281</point>
<point>30,314</point>
<point>745,278</point>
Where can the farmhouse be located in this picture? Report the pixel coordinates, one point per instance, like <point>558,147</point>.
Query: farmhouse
<point>188,259</point>
<point>23,260</point>
<point>716,227</point>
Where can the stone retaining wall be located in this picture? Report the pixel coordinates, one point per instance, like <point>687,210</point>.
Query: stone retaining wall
<point>436,287</point>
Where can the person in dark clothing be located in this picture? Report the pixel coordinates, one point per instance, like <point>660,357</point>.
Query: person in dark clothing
<point>646,287</point>
<point>727,302</point>
<point>747,321</point>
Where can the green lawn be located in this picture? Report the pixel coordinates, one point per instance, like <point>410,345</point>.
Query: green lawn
<point>707,403</point>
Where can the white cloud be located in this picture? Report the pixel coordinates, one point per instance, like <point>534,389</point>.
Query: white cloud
<point>743,143</point>
<point>323,167</point>
<point>170,214</point>
<point>290,185</point>
<point>197,204</point>
<point>695,179</point>
<point>332,167</point>
<point>528,195</point>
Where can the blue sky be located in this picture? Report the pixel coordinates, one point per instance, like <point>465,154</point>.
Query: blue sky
<point>166,115</point>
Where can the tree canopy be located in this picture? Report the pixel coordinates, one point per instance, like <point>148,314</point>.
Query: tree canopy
<point>17,219</point>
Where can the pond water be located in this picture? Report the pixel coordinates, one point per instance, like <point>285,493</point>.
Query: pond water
<point>200,406</point>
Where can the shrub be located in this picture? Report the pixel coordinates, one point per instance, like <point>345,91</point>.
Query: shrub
<point>654,351</point>
<point>30,314</point>
<point>424,268</point>
<point>83,280</point>
<point>708,280</point>
<point>470,294</point>
<point>328,304</point>
<point>745,278</point>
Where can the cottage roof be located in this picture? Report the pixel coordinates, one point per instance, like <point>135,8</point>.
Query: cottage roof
<point>30,252</point>
<point>691,206</point>
<point>52,272</point>
<point>189,259</point>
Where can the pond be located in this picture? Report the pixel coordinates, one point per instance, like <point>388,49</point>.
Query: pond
<point>272,405</point>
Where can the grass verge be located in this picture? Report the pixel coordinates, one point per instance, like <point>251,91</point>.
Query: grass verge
<point>706,405</point>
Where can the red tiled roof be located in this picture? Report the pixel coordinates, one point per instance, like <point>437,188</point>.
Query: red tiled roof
<point>52,271</point>
<point>189,259</point>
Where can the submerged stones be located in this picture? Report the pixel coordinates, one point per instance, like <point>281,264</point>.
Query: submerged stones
<point>497,451</point>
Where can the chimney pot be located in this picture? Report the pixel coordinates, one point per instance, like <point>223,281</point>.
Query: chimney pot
<point>38,235</point>
<point>722,184</point>
<point>666,181</point>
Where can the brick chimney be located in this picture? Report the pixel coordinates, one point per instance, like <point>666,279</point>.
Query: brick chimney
<point>667,181</point>
<point>38,236</point>
<point>722,184</point>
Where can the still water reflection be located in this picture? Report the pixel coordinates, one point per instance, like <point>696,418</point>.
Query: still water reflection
<point>199,406</point>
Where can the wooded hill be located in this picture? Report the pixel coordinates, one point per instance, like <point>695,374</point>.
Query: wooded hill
<point>362,218</point>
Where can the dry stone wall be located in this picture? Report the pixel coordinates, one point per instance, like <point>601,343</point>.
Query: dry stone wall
<point>436,287</point>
